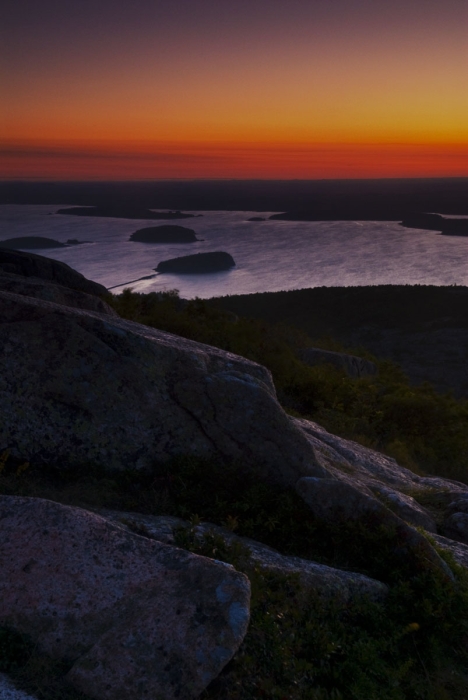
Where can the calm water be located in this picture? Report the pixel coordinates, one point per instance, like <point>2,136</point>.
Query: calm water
<point>269,255</point>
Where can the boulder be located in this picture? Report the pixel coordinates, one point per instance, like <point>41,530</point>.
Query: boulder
<point>49,291</point>
<point>326,581</point>
<point>164,234</point>
<point>353,366</point>
<point>135,617</point>
<point>338,502</point>
<point>198,263</point>
<point>31,242</point>
<point>32,265</point>
<point>80,388</point>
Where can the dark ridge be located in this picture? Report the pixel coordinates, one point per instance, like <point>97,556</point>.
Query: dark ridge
<point>198,263</point>
<point>124,212</point>
<point>389,199</point>
<point>424,329</point>
<point>164,234</point>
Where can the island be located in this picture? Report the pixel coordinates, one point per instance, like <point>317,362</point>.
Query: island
<point>31,242</point>
<point>435,222</point>
<point>117,211</point>
<point>164,234</point>
<point>198,263</point>
<point>256,218</point>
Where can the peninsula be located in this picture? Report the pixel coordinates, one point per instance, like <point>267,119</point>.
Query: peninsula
<point>117,211</point>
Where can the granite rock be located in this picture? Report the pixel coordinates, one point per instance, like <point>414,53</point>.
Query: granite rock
<point>32,265</point>
<point>82,388</point>
<point>50,291</point>
<point>337,502</point>
<point>327,581</point>
<point>135,617</point>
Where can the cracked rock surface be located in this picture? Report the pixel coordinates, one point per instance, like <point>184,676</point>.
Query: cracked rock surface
<point>79,387</point>
<point>136,618</point>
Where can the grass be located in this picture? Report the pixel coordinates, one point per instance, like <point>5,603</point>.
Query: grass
<point>299,646</point>
<point>414,646</point>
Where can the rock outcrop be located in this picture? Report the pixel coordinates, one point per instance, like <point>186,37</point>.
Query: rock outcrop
<point>32,265</point>
<point>82,388</point>
<point>353,366</point>
<point>109,593</point>
<point>164,234</point>
<point>327,581</point>
<point>137,618</point>
<point>199,263</point>
<point>49,291</point>
<point>337,502</point>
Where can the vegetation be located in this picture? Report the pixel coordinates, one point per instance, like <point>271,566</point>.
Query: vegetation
<point>300,646</point>
<point>425,431</point>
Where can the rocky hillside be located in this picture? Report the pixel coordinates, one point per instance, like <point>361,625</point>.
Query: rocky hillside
<point>252,553</point>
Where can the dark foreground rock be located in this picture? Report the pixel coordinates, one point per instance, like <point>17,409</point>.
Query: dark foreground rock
<point>117,211</point>
<point>32,265</point>
<point>326,581</point>
<point>49,291</point>
<point>164,234</point>
<point>137,618</point>
<point>198,263</point>
<point>353,366</point>
<point>81,388</point>
<point>338,502</point>
<point>30,243</point>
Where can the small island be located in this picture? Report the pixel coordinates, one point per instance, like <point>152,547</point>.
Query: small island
<point>164,234</point>
<point>31,242</point>
<point>256,218</point>
<point>198,263</point>
<point>117,211</point>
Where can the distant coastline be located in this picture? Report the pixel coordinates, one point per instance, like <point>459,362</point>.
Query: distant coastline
<point>321,200</point>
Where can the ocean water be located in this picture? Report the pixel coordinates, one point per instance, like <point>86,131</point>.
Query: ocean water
<point>269,255</point>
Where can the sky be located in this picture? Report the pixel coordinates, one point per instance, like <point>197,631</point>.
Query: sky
<point>113,89</point>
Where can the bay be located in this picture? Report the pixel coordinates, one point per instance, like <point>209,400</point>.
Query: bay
<point>269,255</point>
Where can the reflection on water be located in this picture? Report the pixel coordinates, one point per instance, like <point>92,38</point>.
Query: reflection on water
<point>269,255</point>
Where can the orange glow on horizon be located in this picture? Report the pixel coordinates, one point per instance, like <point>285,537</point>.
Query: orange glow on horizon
<point>81,160</point>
